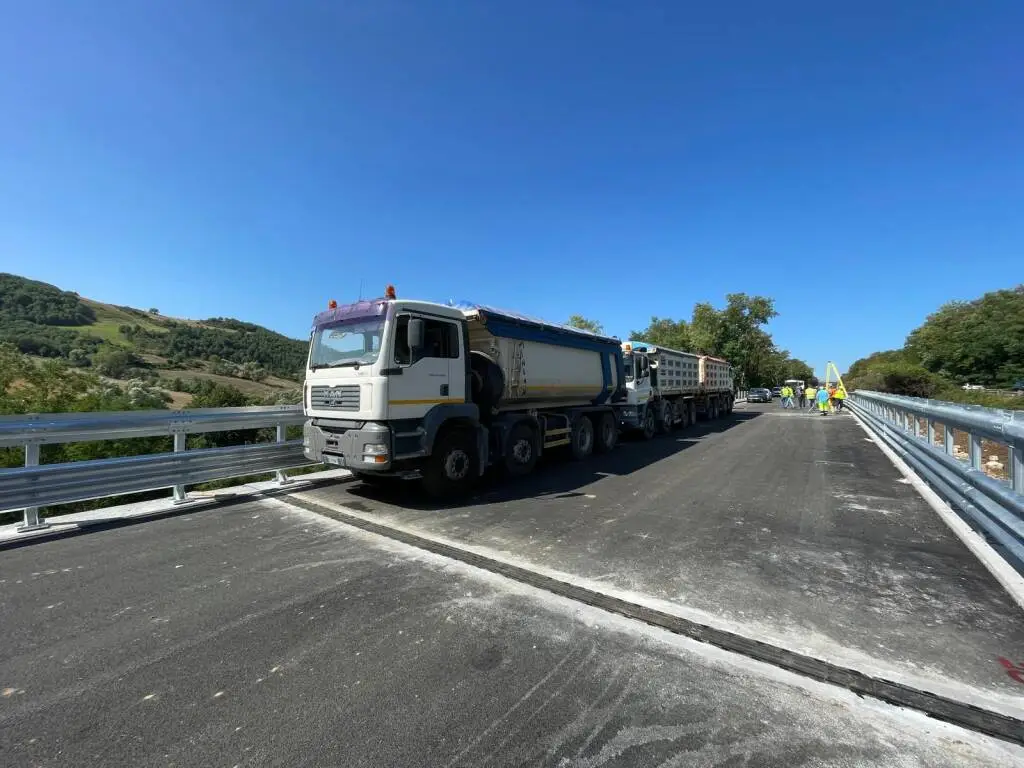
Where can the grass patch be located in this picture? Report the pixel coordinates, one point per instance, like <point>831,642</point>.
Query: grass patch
<point>262,388</point>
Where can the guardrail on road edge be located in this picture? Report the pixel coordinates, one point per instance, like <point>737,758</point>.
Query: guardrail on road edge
<point>37,485</point>
<point>994,507</point>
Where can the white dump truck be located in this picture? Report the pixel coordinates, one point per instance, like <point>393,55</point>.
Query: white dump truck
<point>666,388</point>
<point>401,388</point>
<point>418,389</point>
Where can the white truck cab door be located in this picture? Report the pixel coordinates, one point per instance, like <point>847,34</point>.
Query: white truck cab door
<point>426,378</point>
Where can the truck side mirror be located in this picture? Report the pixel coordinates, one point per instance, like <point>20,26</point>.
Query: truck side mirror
<point>415,337</point>
<point>645,367</point>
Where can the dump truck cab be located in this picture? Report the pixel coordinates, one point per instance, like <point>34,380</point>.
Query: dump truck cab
<point>382,376</point>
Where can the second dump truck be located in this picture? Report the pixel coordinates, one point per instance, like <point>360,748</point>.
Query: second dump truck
<point>666,388</point>
<point>402,388</point>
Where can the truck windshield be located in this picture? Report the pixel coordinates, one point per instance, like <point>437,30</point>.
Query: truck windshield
<point>349,342</point>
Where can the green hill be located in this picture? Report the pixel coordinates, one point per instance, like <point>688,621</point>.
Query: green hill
<point>125,343</point>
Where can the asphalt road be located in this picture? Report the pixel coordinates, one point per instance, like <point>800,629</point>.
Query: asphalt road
<point>256,634</point>
<point>781,526</point>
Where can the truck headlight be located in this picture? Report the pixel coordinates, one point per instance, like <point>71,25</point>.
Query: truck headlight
<point>375,453</point>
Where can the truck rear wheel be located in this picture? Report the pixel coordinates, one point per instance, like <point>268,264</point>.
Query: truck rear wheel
<point>453,466</point>
<point>606,433</point>
<point>582,438</point>
<point>682,415</point>
<point>648,427</point>
<point>521,450</point>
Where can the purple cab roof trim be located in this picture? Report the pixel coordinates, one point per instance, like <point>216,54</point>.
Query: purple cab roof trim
<point>365,308</point>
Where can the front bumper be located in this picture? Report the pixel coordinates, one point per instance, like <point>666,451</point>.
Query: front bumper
<point>630,416</point>
<point>348,446</point>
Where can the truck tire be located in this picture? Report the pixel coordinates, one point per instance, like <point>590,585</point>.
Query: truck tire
<point>453,466</point>
<point>606,432</point>
<point>663,418</point>
<point>486,382</point>
<point>520,450</point>
<point>647,427</point>
<point>684,414</point>
<point>581,438</point>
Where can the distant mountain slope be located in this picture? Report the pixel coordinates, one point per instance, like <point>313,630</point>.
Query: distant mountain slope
<point>45,321</point>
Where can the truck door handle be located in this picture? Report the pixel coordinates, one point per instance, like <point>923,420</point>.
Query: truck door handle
<point>444,390</point>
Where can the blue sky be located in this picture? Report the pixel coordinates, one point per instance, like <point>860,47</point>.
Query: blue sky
<point>861,163</point>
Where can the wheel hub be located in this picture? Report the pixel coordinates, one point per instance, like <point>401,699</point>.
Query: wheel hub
<point>456,465</point>
<point>522,451</point>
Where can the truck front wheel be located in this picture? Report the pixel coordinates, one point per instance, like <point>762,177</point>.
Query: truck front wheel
<point>664,418</point>
<point>648,423</point>
<point>453,466</point>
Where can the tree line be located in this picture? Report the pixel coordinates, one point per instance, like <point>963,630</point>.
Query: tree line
<point>735,333</point>
<point>30,301</point>
<point>978,342</point>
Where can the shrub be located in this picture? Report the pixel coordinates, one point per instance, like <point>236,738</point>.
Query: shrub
<point>116,363</point>
<point>898,379</point>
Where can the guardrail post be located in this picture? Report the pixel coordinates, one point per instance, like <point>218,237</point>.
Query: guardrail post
<point>180,497</point>
<point>282,476</point>
<point>931,432</point>
<point>32,521</point>
<point>950,439</point>
<point>1017,468</point>
<point>974,446</point>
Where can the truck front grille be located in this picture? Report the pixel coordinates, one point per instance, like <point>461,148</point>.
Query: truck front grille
<point>344,397</point>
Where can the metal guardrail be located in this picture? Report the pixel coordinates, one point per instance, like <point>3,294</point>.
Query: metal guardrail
<point>37,485</point>
<point>911,425</point>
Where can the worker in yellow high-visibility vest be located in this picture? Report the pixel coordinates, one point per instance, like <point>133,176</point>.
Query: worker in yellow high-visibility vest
<point>811,393</point>
<point>838,397</point>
